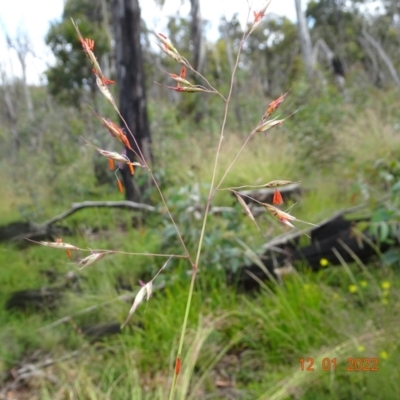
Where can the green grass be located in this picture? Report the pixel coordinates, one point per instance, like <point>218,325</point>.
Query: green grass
<point>256,340</point>
<point>271,332</point>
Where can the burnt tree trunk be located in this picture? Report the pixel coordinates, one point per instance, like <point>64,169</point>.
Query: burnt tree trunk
<point>197,104</point>
<point>196,35</point>
<point>130,78</point>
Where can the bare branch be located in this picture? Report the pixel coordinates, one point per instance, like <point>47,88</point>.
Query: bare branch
<point>383,55</point>
<point>22,46</point>
<point>88,204</point>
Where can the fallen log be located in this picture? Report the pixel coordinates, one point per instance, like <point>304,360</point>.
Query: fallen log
<point>333,242</point>
<point>17,232</point>
<point>42,299</point>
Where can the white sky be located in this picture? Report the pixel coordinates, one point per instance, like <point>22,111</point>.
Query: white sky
<point>33,17</point>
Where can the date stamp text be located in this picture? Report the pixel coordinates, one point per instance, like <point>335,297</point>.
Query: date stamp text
<point>352,364</point>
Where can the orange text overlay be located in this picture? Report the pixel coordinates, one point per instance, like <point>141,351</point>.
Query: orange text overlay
<point>330,364</point>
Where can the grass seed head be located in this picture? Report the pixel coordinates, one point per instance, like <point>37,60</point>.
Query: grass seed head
<point>60,245</point>
<point>283,217</point>
<point>113,155</point>
<point>115,131</point>
<point>273,106</point>
<point>276,212</point>
<point>181,78</point>
<point>89,260</point>
<point>145,291</point>
<point>192,89</point>
<point>245,207</point>
<point>167,43</point>
<point>88,46</point>
<point>286,222</point>
<point>267,125</point>
<point>259,15</point>
<point>105,91</point>
<point>104,80</point>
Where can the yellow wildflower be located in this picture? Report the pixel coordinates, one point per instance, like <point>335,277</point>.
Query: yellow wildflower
<point>361,348</point>
<point>363,283</point>
<point>383,354</point>
<point>352,288</point>
<point>324,262</point>
<point>385,285</point>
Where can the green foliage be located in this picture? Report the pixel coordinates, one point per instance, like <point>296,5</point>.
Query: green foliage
<point>302,318</point>
<point>221,249</point>
<point>71,77</point>
<point>312,130</point>
<point>385,213</point>
<point>270,50</point>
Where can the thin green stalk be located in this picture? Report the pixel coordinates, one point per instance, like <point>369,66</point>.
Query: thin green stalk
<point>203,228</point>
<point>183,332</point>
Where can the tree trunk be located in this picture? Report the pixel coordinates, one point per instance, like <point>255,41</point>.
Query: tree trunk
<point>197,36</point>
<point>13,122</point>
<point>10,112</point>
<point>131,83</point>
<point>382,54</point>
<point>197,104</point>
<point>305,40</point>
<point>21,45</point>
<point>106,60</point>
<point>372,69</point>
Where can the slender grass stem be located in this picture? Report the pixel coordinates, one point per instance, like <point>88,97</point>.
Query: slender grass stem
<point>206,212</point>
